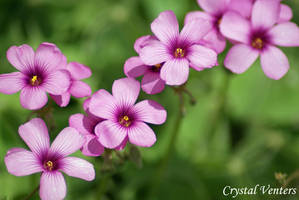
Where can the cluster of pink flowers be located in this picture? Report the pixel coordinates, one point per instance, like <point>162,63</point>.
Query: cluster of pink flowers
<point>254,28</point>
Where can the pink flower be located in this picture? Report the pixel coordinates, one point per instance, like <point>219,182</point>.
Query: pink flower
<point>40,72</point>
<point>285,13</point>
<point>259,37</point>
<point>77,88</point>
<point>213,12</point>
<point>86,124</point>
<point>49,160</point>
<point>122,118</point>
<point>151,82</point>
<point>177,51</point>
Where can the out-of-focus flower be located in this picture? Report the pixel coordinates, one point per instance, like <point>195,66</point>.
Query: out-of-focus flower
<point>259,36</point>
<point>285,13</point>
<point>174,52</point>
<point>213,12</point>
<point>40,72</point>
<point>123,119</point>
<point>49,160</point>
<point>77,88</point>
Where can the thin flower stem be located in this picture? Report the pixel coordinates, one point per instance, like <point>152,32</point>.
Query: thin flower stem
<point>219,109</point>
<point>106,171</point>
<point>165,160</point>
<point>32,193</point>
<point>102,187</point>
<point>192,98</point>
<point>293,176</point>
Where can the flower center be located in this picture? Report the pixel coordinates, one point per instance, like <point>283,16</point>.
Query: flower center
<point>49,165</point>
<point>219,21</point>
<point>156,68</point>
<point>179,53</point>
<point>257,43</point>
<point>125,121</point>
<point>35,80</point>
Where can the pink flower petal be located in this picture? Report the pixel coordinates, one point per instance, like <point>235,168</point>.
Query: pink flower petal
<point>33,98</point>
<point>67,142</point>
<point>202,57</point>
<point>22,57</point>
<point>35,135</point>
<point>175,71</point>
<point>235,27</point>
<point>285,34</point>
<point>150,111</point>
<point>126,90</point>
<point>194,15</point>
<point>78,71</point>
<point>274,63</point>
<point>215,41</point>
<point>166,27</point>
<point>122,145</point>
<point>62,100</point>
<point>154,53</point>
<point>142,42</point>
<point>49,58</point>
<point>57,82</point>
<point>265,13</point>
<point>21,162</point>
<point>195,30</point>
<point>110,134</point>
<point>86,103</point>
<point>134,67</point>
<point>243,7</point>
<point>102,104</point>
<point>142,135</point>
<point>285,14</point>
<point>77,121</point>
<point>213,6</point>
<point>152,83</point>
<point>92,147</point>
<point>12,82</point>
<point>240,57</point>
<point>80,89</point>
<point>77,167</point>
<point>52,186</point>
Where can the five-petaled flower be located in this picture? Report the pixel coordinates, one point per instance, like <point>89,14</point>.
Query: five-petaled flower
<point>40,72</point>
<point>49,160</point>
<point>177,51</point>
<point>259,37</point>
<point>123,119</point>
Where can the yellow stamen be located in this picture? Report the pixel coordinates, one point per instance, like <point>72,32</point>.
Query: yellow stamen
<point>49,165</point>
<point>126,118</point>
<point>34,78</point>
<point>179,53</point>
<point>257,43</point>
<point>219,21</point>
<point>125,121</point>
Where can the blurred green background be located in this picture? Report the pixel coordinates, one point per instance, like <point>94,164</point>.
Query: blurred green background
<point>242,130</point>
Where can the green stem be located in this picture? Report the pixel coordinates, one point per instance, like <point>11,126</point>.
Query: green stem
<point>293,176</point>
<point>219,110</point>
<point>102,187</point>
<point>164,162</point>
<point>32,193</point>
<point>106,171</point>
